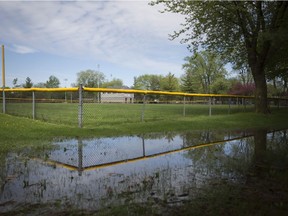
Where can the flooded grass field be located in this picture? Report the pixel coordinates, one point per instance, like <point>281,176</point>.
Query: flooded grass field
<point>194,173</point>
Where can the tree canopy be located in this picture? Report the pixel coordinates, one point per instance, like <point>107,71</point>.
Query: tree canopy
<point>114,83</point>
<point>52,82</point>
<point>90,78</point>
<point>28,83</point>
<point>202,71</point>
<point>169,83</point>
<point>148,82</point>
<point>248,32</point>
<point>157,82</point>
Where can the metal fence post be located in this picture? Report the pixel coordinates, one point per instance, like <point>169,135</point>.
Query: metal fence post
<point>80,107</point>
<point>184,107</point>
<point>3,102</point>
<point>80,157</point>
<point>238,103</point>
<point>143,108</point>
<point>33,105</point>
<point>210,106</point>
<point>278,103</point>
<point>143,146</point>
<point>229,102</point>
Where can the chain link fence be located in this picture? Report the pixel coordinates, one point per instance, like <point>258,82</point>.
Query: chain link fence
<point>49,106</point>
<point>117,106</point>
<point>92,107</point>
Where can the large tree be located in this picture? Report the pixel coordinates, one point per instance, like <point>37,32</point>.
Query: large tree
<point>90,78</point>
<point>202,70</point>
<point>156,82</point>
<point>114,83</point>
<point>28,83</point>
<point>52,82</point>
<point>148,82</point>
<point>169,83</point>
<point>254,32</point>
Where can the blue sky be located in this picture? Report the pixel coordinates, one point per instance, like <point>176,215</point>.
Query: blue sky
<point>61,38</point>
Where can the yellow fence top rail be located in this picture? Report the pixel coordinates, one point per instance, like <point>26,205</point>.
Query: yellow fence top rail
<point>129,91</point>
<point>41,89</point>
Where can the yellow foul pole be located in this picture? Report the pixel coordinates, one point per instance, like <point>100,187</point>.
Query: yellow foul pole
<point>3,67</point>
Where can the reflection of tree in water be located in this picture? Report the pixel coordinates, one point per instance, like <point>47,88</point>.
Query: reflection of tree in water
<point>225,160</point>
<point>270,153</point>
<point>218,163</point>
<point>169,136</point>
<point>263,151</point>
<point>207,136</point>
<point>260,161</point>
<point>277,144</point>
<point>191,138</point>
<point>3,170</point>
<point>198,137</point>
<point>260,142</point>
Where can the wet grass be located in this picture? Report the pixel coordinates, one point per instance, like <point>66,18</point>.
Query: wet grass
<point>261,198</point>
<point>259,195</point>
<point>15,131</point>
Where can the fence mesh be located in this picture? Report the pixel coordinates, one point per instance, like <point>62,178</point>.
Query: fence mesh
<point>56,107</point>
<point>105,107</point>
<point>19,103</point>
<point>108,108</point>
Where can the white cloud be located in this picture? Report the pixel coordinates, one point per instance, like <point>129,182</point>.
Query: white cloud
<point>126,33</point>
<point>22,49</point>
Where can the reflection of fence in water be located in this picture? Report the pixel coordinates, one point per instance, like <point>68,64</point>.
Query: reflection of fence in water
<point>85,155</point>
<point>108,151</point>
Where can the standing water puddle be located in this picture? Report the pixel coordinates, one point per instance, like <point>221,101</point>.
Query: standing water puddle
<point>99,173</point>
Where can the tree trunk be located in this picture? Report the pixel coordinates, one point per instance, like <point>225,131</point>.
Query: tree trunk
<point>260,141</point>
<point>261,166</point>
<point>261,100</point>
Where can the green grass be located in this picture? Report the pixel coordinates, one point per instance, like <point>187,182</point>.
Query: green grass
<point>102,114</point>
<point>110,120</point>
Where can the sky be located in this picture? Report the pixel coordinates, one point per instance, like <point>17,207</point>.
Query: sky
<point>122,39</point>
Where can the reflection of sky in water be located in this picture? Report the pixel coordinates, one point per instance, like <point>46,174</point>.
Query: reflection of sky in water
<point>107,150</point>
<point>47,183</point>
<point>229,146</point>
<point>154,146</point>
<point>97,151</point>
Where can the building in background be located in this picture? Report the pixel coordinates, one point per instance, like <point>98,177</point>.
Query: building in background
<point>116,97</point>
<point>108,97</point>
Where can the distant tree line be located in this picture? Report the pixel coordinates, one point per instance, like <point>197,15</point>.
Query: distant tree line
<point>204,72</point>
<point>52,82</point>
